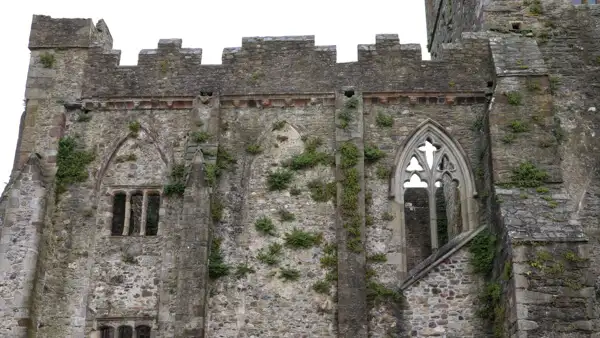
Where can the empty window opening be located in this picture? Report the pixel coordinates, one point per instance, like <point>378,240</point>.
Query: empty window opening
<point>136,213</point>
<point>516,25</point>
<point>490,84</point>
<point>349,93</point>
<point>417,221</point>
<point>206,93</point>
<point>135,218</point>
<point>125,332</point>
<point>440,215</point>
<point>107,332</point>
<point>142,331</point>
<point>152,214</point>
<point>118,221</point>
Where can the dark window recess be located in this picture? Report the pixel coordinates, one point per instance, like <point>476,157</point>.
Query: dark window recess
<point>349,93</point>
<point>442,219</point>
<point>118,219</point>
<point>135,219</point>
<point>125,332</point>
<point>142,331</point>
<point>418,230</point>
<point>107,332</point>
<point>152,214</point>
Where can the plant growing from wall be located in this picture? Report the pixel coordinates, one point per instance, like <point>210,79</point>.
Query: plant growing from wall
<point>350,191</point>
<point>216,262</point>
<point>253,149</point>
<point>321,191</point>
<point>200,137</point>
<point>216,208</point>
<point>176,185</point>
<point>286,216</point>
<point>310,157</point>
<point>514,98</point>
<point>71,162</point>
<point>373,153</point>
<point>383,172</point>
<point>47,60</point>
<point>518,126</point>
<point>278,125</point>
<point>527,175</point>
<point>346,115</point>
<point>242,270</point>
<point>384,120</point>
<point>134,128</point>
<point>289,274</point>
<point>265,226</point>
<point>300,239</point>
<point>271,254</point>
<point>279,179</point>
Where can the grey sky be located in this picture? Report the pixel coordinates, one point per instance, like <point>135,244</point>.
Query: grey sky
<point>210,25</point>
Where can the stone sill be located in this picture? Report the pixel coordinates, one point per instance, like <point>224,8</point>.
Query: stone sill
<point>439,256</point>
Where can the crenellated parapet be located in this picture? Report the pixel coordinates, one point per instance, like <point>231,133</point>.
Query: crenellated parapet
<point>288,65</point>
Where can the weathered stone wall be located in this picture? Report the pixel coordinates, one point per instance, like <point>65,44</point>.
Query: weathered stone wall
<point>21,224</point>
<point>258,135</point>
<point>442,303</point>
<point>262,301</point>
<point>448,19</point>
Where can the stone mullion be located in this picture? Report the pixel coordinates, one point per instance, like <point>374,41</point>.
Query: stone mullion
<point>127,214</point>
<point>144,213</point>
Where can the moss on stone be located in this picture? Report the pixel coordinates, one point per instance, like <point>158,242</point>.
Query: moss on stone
<point>527,175</point>
<point>383,172</point>
<point>377,293</point>
<point>72,162</point>
<point>483,249</point>
<point>134,128</point>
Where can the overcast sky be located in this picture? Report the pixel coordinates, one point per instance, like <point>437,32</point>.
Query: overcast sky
<point>210,25</point>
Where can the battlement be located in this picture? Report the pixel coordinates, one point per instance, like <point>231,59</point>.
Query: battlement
<point>263,65</point>
<point>47,32</point>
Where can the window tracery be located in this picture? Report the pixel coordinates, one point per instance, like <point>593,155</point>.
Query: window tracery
<point>434,186</point>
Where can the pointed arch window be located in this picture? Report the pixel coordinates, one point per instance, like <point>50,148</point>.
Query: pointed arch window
<point>434,186</point>
<point>107,332</point>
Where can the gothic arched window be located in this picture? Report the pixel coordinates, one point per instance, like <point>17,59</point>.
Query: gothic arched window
<point>125,332</point>
<point>434,186</point>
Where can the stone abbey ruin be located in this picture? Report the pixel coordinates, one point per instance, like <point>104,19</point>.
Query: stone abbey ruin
<point>283,194</point>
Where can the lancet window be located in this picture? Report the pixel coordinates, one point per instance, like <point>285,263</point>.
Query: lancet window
<point>135,213</point>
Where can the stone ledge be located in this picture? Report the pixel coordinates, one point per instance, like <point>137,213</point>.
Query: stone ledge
<point>439,256</point>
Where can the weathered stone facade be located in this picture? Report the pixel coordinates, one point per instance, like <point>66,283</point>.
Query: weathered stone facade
<point>282,194</point>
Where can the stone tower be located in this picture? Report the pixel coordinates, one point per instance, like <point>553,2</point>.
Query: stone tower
<point>282,194</point>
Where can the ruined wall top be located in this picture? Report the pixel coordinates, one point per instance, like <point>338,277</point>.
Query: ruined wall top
<point>264,65</point>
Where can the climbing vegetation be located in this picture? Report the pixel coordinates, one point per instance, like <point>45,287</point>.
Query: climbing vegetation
<point>72,162</point>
